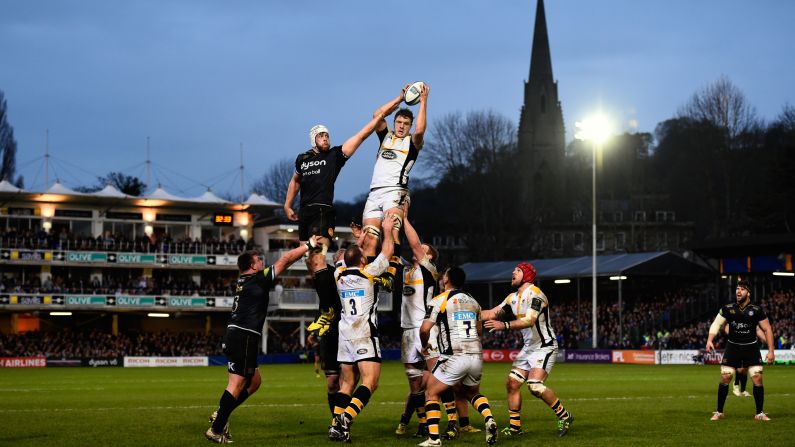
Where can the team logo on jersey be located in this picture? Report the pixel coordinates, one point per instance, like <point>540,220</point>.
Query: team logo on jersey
<point>330,232</point>
<point>361,351</point>
<point>731,311</point>
<point>388,155</point>
<point>408,290</point>
<point>457,316</point>
<point>751,313</point>
<point>309,164</point>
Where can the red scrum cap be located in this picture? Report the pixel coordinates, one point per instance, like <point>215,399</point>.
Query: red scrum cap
<point>529,272</point>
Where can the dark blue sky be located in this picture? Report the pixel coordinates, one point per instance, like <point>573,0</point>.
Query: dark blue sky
<point>201,77</point>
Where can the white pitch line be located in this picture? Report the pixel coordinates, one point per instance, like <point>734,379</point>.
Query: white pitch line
<point>275,405</point>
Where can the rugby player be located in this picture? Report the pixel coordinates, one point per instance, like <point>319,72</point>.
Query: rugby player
<point>358,332</point>
<point>527,310</point>
<point>457,316</point>
<point>243,337</point>
<point>742,350</point>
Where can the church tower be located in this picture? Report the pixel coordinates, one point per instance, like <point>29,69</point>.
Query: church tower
<point>541,132</point>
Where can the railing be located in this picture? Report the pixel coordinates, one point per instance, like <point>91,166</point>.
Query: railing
<point>138,246</point>
<point>307,299</point>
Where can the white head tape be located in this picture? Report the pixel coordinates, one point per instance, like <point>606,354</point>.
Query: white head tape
<point>315,131</point>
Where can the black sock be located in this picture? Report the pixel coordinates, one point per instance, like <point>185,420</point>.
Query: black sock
<point>463,421</point>
<point>358,401</point>
<point>326,289</point>
<point>723,391</point>
<point>759,398</point>
<point>241,398</point>
<point>448,399</point>
<point>743,381</point>
<point>737,378</point>
<point>226,405</point>
<point>332,398</point>
<point>341,401</point>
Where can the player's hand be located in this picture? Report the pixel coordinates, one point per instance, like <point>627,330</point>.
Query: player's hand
<point>356,230</point>
<point>770,357</point>
<point>710,346</point>
<point>403,92</point>
<point>388,223</point>
<point>288,211</point>
<point>424,92</point>
<point>426,350</point>
<point>313,242</point>
<point>494,325</point>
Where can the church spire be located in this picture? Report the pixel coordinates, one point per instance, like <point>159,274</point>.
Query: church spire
<point>540,59</point>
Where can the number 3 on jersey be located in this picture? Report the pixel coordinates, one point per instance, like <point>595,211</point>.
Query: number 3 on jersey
<point>352,301</point>
<point>466,324</point>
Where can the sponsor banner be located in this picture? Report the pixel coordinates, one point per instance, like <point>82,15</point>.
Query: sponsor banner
<point>679,357</point>
<point>132,258</point>
<point>635,356</point>
<point>226,260</point>
<point>135,301</point>
<point>100,362</point>
<point>225,301</point>
<point>712,358</point>
<point>85,300</point>
<point>23,362</point>
<point>589,356</point>
<point>783,356</point>
<point>83,256</point>
<point>58,363</point>
<point>144,362</point>
<point>187,260</point>
<point>500,355</point>
<point>186,301</point>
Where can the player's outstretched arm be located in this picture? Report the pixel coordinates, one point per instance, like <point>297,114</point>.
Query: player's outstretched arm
<point>418,137</point>
<point>387,109</point>
<point>768,330</point>
<point>388,246</point>
<point>293,255</point>
<point>292,192</point>
<point>492,314</point>
<point>516,325</point>
<point>414,239</point>
<point>715,330</point>
<point>425,332</point>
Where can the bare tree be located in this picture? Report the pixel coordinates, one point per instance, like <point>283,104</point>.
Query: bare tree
<point>458,145</point>
<point>8,147</point>
<point>724,105</point>
<point>273,184</point>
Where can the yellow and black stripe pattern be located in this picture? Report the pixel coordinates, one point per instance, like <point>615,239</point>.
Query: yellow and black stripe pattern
<point>515,419</point>
<point>434,412</point>
<point>481,403</point>
<point>559,410</point>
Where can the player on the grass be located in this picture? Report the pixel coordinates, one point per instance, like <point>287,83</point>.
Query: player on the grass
<point>419,287</point>
<point>741,375</point>
<point>527,310</point>
<point>457,316</point>
<point>397,153</point>
<point>243,338</point>
<point>358,332</point>
<point>742,350</point>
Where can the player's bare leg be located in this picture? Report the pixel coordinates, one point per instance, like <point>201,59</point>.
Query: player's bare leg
<point>535,382</point>
<point>416,397</point>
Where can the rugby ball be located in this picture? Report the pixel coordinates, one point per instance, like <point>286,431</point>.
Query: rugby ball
<point>412,96</point>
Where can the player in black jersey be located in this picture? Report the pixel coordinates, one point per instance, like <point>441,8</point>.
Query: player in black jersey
<point>316,170</point>
<point>742,350</point>
<point>243,333</point>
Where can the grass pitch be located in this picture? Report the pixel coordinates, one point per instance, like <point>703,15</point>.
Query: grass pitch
<point>612,405</point>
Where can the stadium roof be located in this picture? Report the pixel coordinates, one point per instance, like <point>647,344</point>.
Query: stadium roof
<point>6,186</point>
<point>659,263</point>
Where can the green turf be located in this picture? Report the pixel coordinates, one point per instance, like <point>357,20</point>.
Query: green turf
<point>612,404</point>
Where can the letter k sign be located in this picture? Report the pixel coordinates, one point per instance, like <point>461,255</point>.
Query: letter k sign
<point>231,366</point>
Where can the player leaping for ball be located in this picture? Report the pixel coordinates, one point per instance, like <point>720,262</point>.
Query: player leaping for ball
<point>397,154</point>
<point>527,310</point>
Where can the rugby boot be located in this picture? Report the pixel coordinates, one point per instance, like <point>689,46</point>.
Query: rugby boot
<point>564,425</point>
<point>716,416</point>
<point>491,432</point>
<point>218,438</point>
<point>761,417</point>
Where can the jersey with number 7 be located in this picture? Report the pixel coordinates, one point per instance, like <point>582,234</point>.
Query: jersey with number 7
<point>457,315</point>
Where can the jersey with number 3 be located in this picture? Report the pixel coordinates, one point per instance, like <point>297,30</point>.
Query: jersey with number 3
<point>540,335</point>
<point>357,295</point>
<point>456,314</point>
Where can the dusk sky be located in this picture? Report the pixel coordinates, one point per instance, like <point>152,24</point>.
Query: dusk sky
<point>201,77</point>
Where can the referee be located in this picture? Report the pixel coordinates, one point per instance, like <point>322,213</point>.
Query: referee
<point>742,350</point>
<point>243,338</point>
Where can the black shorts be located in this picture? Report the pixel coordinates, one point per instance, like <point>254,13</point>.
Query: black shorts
<point>329,344</point>
<point>241,349</point>
<point>315,220</point>
<point>741,356</point>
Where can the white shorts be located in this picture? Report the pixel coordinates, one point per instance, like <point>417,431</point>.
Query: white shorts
<point>382,199</point>
<point>540,358</point>
<point>411,348</point>
<point>352,351</point>
<point>460,368</point>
